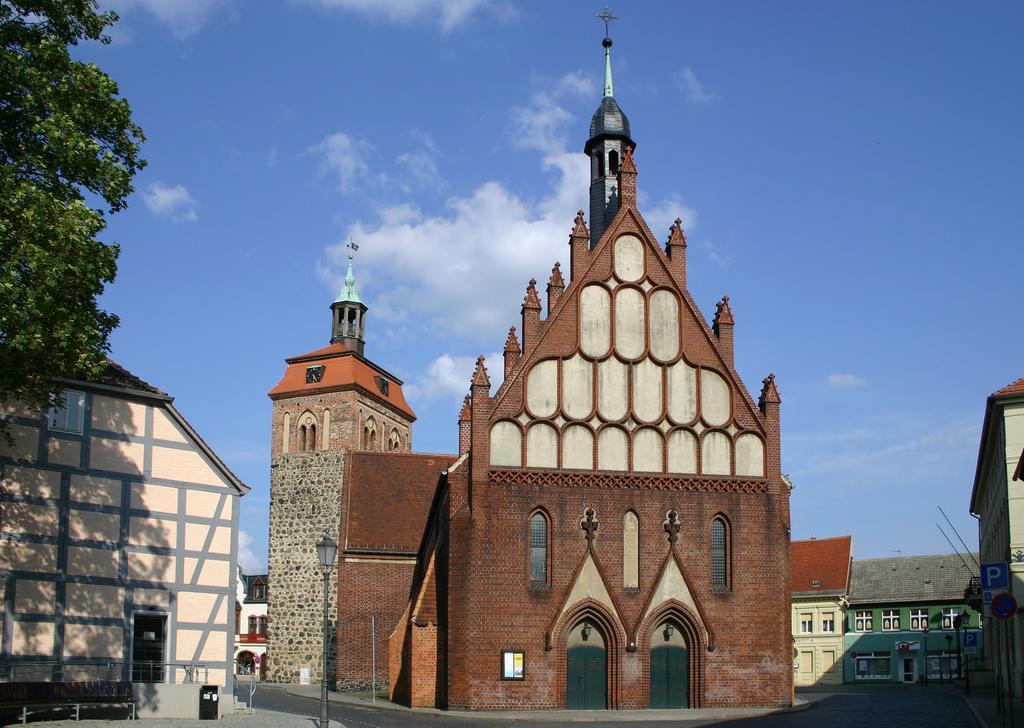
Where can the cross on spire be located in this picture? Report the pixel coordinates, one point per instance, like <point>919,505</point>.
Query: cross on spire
<point>672,526</point>
<point>590,524</point>
<point>607,17</point>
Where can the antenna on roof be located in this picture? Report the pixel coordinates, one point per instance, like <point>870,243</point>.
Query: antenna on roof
<point>969,553</point>
<point>954,548</point>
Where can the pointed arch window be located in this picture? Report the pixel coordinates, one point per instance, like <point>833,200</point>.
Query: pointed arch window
<point>394,441</point>
<point>630,550</point>
<point>539,548</point>
<point>369,434</point>
<point>613,162</point>
<point>719,554</point>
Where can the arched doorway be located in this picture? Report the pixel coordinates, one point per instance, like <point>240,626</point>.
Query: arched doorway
<point>670,667</point>
<point>586,668</point>
<point>244,663</point>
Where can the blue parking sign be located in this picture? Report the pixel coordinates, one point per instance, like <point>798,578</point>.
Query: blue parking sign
<point>970,639</point>
<point>995,575</point>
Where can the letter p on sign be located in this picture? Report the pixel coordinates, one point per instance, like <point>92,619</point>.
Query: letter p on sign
<point>995,575</point>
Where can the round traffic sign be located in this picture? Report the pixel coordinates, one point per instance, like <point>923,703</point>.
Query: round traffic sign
<point>1004,606</point>
<point>853,654</point>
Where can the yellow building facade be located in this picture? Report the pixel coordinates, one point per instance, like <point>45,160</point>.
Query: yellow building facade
<point>821,577</point>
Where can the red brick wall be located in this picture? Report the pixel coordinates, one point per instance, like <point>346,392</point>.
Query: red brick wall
<point>368,587</point>
<point>423,663</point>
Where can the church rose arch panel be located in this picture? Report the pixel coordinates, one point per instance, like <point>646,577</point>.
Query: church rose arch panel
<point>595,320</point>
<point>647,399</point>
<point>613,449</point>
<point>715,400</point>
<point>541,446</point>
<point>749,455</point>
<point>542,388</point>
<point>506,444</point>
<point>682,392</point>
<point>630,327</point>
<point>577,387</point>
<point>682,452</point>
<point>715,453</point>
<point>629,258</point>
<point>664,316</point>
<point>647,450</point>
<point>612,389</point>
<point>578,448</point>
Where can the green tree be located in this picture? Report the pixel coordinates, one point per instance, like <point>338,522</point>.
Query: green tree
<point>68,152</point>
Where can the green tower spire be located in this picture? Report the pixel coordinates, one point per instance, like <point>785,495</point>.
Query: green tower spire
<point>609,88</point>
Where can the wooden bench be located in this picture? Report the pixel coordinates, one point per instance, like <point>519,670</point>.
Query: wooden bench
<point>37,697</point>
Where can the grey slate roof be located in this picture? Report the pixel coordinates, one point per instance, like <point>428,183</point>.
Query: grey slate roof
<point>609,120</point>
<point>910,579</point>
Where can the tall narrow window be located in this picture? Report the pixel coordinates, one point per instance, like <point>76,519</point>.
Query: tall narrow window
<point>719,555</point>
<point>538,548</point>
<point>302,437</point>
<point>630,550</point>
<point>613,162</point>
<point>68,415</point>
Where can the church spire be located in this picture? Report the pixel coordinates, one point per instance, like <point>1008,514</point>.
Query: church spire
<point>606,147</point>
<point>348,312</point>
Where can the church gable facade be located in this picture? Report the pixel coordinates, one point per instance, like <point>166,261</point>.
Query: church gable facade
<point>618,535</point>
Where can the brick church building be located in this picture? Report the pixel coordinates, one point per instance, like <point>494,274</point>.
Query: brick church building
<point>614,531</point>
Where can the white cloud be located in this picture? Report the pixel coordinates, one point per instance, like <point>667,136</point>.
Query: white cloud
<point>450,375</point>
<point>842,380</point>
<point>695,92</point>
<point>183,17</point>
<point>345,157</point>
<point>715,255</point>
<point>174,202</point>
<point>247,557</point>
<point>662,215</point>
<point>448,14</point>
<point>462,269</point>
<point>418,167</point>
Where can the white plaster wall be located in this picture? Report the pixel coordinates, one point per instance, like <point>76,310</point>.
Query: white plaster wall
<point>577,387</point>
<point>506,445</point>
<point>647,397</point>
<point>672,585</point>
<point>542,388</point>
<point>682,452</point>
<point>595,320</point>
<point>612,389</point>
<point>714,397</point>
<point>629,258</point>
<point>541,446</point>
<point>664,325</point>
<point>578,448</point>
<point>647,450</point>
<point>629,323</point>
<point>714,454</point>
<point>612,449</point>
<point>749,455</point>
<point>682,392</point>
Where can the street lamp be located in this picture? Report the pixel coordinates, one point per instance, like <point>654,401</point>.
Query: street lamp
<point>924,633</point>
<point>326,551</point>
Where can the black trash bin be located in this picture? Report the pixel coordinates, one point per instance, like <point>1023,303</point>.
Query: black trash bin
<point>209,696</point>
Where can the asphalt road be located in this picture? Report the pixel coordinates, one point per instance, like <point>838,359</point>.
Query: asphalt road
<point>851,706</point>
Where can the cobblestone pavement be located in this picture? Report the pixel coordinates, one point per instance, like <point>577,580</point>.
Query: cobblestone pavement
<point>847,706</point>
<point>262,719</point>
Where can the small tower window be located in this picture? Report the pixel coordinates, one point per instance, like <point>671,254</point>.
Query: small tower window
<point>314,373</point>
<point>600,165</point>
<point>613,162</point>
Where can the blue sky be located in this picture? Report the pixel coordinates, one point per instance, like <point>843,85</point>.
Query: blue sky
<point>848,174</point>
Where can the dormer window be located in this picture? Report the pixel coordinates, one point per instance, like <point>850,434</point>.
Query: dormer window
<point>383,385</point>
<point>314,374</point>
<point>259,590</point>
<point>815,584</point>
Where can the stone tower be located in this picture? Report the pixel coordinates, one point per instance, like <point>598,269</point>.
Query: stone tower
<point>329,402</point>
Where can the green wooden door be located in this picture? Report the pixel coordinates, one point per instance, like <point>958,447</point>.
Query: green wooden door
<point>586,672</point>
<point>670,677</point>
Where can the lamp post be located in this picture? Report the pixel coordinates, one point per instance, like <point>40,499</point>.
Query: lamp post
<point>924,634</point>
<point>949,649</point>
<point>326,551</point>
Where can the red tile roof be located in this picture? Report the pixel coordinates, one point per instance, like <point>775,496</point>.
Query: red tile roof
<point>388,499</point>
<point>342,368</point>
<point>1013,388</point>
<point>826,560</point>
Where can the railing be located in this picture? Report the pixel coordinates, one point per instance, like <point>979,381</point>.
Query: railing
<point>108,670</point>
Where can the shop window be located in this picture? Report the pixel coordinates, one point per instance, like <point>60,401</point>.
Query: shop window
<point>873,666</point>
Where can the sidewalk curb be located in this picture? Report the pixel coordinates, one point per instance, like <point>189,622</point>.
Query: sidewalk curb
<point>634,716</point>
<point>982,723</point>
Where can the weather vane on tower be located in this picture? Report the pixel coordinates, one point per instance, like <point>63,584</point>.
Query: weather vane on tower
<point>352,248</point>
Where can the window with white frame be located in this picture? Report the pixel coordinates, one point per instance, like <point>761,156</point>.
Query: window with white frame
<point>890,620</point>
<point>874,666</point>
<point>806,623</point>
<point>828,622</point>
<point>947,617</point>
<point>862,620</point>
<point>67,416</point>
<point>918,618</point>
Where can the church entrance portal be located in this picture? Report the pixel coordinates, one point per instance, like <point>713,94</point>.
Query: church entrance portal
<point>586,669</point>
<point>670,668</point>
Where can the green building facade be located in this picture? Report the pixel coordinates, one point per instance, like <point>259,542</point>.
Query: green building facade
<point>901,621</point>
